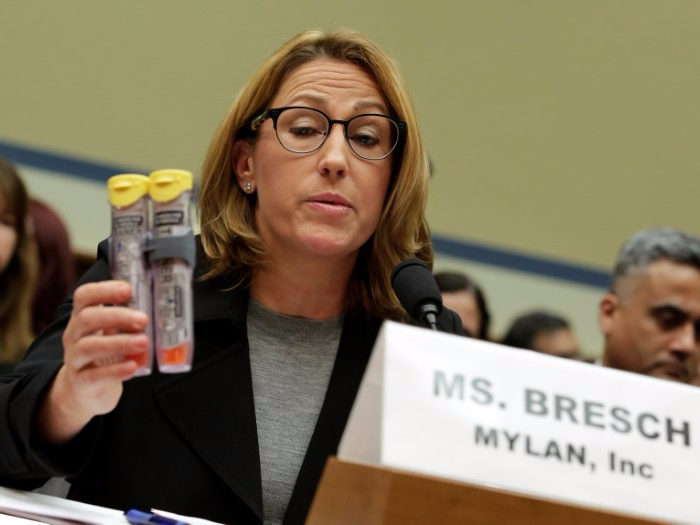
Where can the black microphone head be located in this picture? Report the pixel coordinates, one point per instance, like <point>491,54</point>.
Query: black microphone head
<point>415,286</point>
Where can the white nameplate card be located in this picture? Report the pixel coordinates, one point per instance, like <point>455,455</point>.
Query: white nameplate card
<point>479,412</point>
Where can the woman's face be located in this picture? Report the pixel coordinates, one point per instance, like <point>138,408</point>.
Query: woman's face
<point>326,203</point>
<point>8,236</point>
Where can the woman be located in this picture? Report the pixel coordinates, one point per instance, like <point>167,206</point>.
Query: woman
<point>302,220</point>
<point>18,268</point>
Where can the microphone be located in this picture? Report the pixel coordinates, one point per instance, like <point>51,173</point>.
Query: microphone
<point>417,291</point>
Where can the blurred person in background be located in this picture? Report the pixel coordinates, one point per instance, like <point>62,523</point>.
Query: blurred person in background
<point>543,332</point>
<point>18,268</point>
<point>56,264</point>
<point>461,294</point>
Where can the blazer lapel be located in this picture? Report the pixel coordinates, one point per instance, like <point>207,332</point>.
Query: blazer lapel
<point>219,389</point>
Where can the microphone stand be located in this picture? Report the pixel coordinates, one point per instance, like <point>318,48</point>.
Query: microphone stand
<point>429,313</point>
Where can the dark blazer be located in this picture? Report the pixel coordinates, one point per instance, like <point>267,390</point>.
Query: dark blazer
<point>182,442</point>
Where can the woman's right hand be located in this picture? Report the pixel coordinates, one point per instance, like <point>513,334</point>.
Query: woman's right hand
<point>97,345</point>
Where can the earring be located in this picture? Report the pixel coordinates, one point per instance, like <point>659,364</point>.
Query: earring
<point>248,186</point>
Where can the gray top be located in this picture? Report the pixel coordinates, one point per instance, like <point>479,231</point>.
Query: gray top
<point>291,362</point>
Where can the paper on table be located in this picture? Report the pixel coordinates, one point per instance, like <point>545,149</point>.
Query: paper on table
<point>13,520</point>
<point>50,509</point>
<point>188,519</point>
<point>59,511</point>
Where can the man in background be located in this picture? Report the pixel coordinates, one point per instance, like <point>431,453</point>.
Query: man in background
<point>543,332</point>
<point>650,318</point>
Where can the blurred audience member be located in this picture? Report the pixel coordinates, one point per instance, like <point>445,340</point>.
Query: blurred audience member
<point>462,295</point>
<point>650,318</point>
<point>18,268</point>
<point>56,264</point>
<point>543,332</point>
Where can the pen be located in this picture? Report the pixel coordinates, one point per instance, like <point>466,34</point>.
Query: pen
<point>139,517</point>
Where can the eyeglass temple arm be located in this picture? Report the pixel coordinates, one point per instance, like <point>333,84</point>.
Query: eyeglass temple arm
<point>255,123</point>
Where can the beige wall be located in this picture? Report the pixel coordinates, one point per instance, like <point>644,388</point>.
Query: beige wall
<point>556,128</point>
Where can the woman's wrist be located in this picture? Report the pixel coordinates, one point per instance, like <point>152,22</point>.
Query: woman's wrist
<point>59,418</point>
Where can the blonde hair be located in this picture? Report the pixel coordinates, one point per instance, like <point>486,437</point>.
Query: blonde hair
<point>227,214</point>
<point>18,279</point>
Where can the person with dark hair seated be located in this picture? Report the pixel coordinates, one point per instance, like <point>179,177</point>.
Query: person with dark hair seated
<point>543,332</point>
<point>461,294</point>
<point>56,263</point>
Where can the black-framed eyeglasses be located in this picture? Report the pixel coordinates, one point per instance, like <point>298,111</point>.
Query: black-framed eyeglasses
<point>303,130</point>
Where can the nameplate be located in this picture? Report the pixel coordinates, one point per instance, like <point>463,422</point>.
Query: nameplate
<point>573,432</point>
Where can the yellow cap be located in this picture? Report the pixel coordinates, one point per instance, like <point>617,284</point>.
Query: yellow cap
<point>126,189</point>
<point>166,185</point>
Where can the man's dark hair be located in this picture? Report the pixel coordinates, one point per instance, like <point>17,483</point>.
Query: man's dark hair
<point>654,244</point>
<point>527,327</point>
<point>456,282</point>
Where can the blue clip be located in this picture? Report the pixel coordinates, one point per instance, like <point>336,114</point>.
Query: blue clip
<point>139,517</point>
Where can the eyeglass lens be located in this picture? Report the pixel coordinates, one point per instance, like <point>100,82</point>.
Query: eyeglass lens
<point>303,130</point>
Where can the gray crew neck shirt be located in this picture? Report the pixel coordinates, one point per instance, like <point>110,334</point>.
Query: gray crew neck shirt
<point>291,362</point>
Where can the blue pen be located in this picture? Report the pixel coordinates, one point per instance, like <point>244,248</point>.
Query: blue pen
<point>139,517</point>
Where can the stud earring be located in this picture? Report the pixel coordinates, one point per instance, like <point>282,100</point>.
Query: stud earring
<point>248,186</point>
